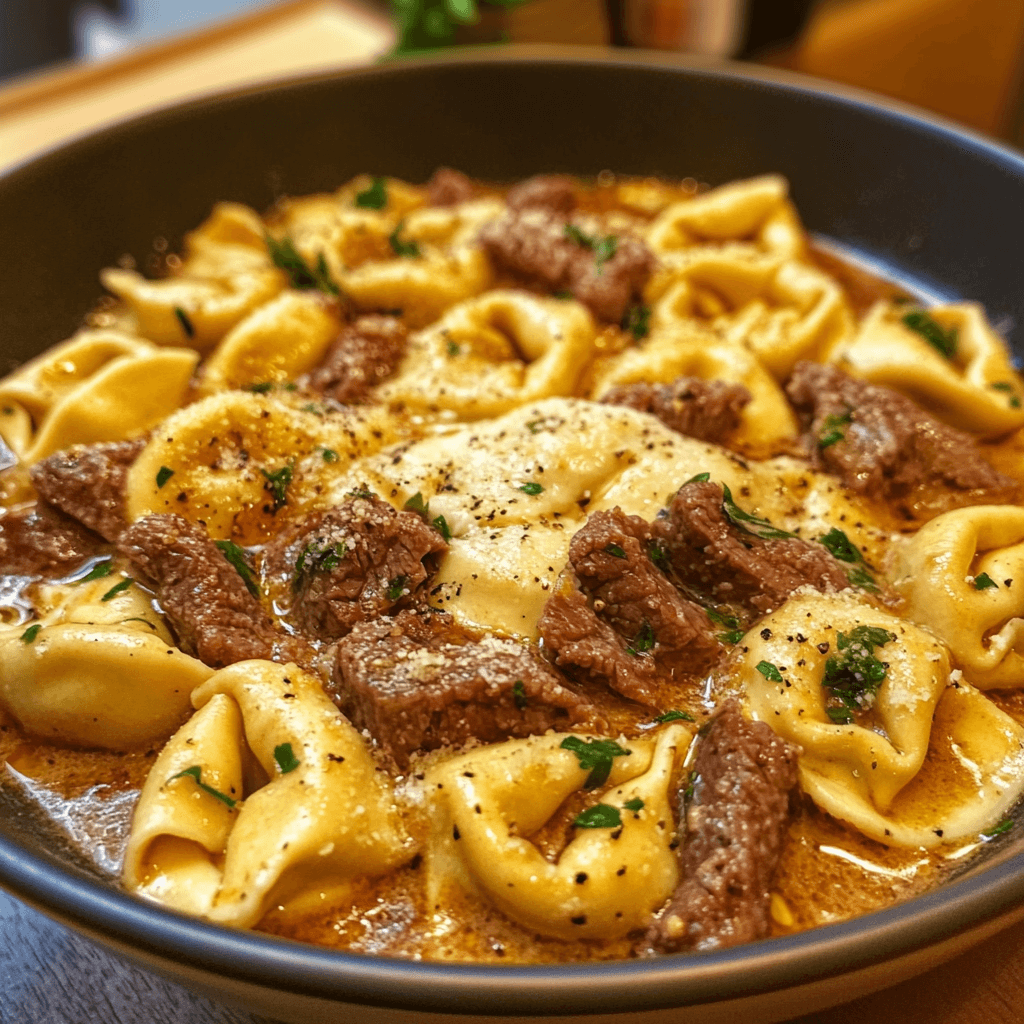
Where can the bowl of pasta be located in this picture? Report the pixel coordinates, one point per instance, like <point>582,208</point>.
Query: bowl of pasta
<point>522,534</point>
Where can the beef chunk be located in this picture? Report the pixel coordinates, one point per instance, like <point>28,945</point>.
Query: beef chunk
<point>87,482</point>
<point>729,565</point>
<point>554,192</point>
<point>365,353</point>
<point>448,187</point>
<point>533,246</point>
<point>205,599</point>
<point>880,443</point>
<point>735,824</point>
<point>354,562</point>
<point>40,541</point>
<point>417,682</point>
<point>615,617</point>
<point>706,409</point>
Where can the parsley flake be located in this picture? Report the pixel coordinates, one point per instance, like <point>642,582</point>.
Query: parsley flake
<point>599,816</point>
<point>853,676</point>
<point>410,250</point>
<point>374,196</point>
<point>636,804</point>
<point>316,557</point>
<point>750,523</point>
<point>117,588</point>
<point>285,759</point>
<point>657,554</point>
<point>700,478</point>
<point>730,636</point>
<point>277,484</point>
<point>186,324</point>
<point>637,321</point>
<point>997,830</point>
<point>614,550</point>
<point>418,505</point>
<point>195,772</point>
<point>531,488</point>
<point>603,248</point>
<point>519,694</point>
<point>644,640</point>
<point>840,546</point>
<point>442,527</point>
<point>97,572</point>
<point>831,434</point>
<point>302,277</point>
<point>769,671</point>
<point>594,756</point>
<point>453,348</point>
<point>31,633</point>
<point>163,475</point>
<point>941,339</point>
<point>674,716</point>
<point>260,387</point>
<point>236,557</point>
<point>329,454</point>
<point>395,587</point>
<point>984,582</point>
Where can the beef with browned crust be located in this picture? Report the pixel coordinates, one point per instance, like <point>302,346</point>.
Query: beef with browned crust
<point>354,562</point>
<point>205,599</point>
<point>40,541</point>
<point>448,187</point>
<point>880,443</point>
<point>708,410</point>
<point>554,192</point>
<point>616,618</point>
<point>732,829</point>
<point>87,482</point>
<point>418,682</point>
<point>533,246</point>
<point>364,354</point>
<point>725,563</point>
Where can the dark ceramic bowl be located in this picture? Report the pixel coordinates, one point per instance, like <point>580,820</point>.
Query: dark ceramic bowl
<point>936,207</point>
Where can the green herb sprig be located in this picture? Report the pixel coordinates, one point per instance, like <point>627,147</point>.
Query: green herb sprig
<point>749,523</point>
<point>943,340</point>
<point>853,676</point>
<point>595,757</point>
<point>196,773</point>
<point>301,276</point>
<point>236,557</point>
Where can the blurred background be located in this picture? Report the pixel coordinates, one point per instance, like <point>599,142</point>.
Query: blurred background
<point>67,66</point>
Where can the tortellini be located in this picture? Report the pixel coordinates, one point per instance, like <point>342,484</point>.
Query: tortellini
<point>903,778</point>
<point>606,882</point>
<point>325,817</point>
<point>227,273</point>
<point>975,388</point>
<point>99,386</point>
<point>98,668</point>
<point>962,576</point>
<point>491,354</point>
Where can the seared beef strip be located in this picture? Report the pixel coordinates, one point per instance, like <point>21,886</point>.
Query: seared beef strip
<point>728,565</point>
<point>365,353</point>
<point>40,541</point>
<point>205,599</point>
<point>354,562</point>
<point>554,192</point>
<point>87,482</point>
<point>448,187</point>
<point>417,682</point>
<point>880,443</point>
<point>708,410</point>
<point>732,830</point>
<point>534,246</point>
<point>615,617</point>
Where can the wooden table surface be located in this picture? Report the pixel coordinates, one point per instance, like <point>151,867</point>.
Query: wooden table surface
<point>49,975</point>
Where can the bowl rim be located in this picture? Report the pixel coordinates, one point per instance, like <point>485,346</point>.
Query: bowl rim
<point>148,931</point>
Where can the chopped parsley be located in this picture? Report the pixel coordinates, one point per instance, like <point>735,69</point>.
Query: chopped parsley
<point>860,577</point>
<point>599,816</point>
<point>260,387</point>
<point>418,505</point>
<point>831,434</point>
<point>941,339</point>
<point>842,548</point>
<point>97,572</point>
<point>236,557</point>
<point>196,773</point>
<point>594,756</point>
<point>277,484</point>
<point>453,348</point>
<point>374,196</point>
<point>657,554</point>
<point>636,804</point>
<point>769,671</point>
<point>614,550</point>
<point>1005,385</point>
<point>163,475</point>
<point>637,321</point>
<point>117,588</point>
<point>731,636</point>
<point>699,478</point>
<point>984,582</point>
<point>674,716</point>
<point>574,234</point>
<point>285,759</point>
<point>316,557</point>
<point>749,523</point>
<point>691,781</point>
<point>329,454</point>
<point>410,250</point>
<point>603,248</point>
<point>519,694</point>
<point>564,295</point>
<point>31,633</point>
<point>644,640</point>
<point>186,324</point>
<point>997,830</point>
<point>361,492</point>
<point>733,633</point>
<point>441,525</point>
<point>301,275</point>
<point>395,587</point>
<point>534,426</point>
<point>531,488</point>
<point>853,676</point>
